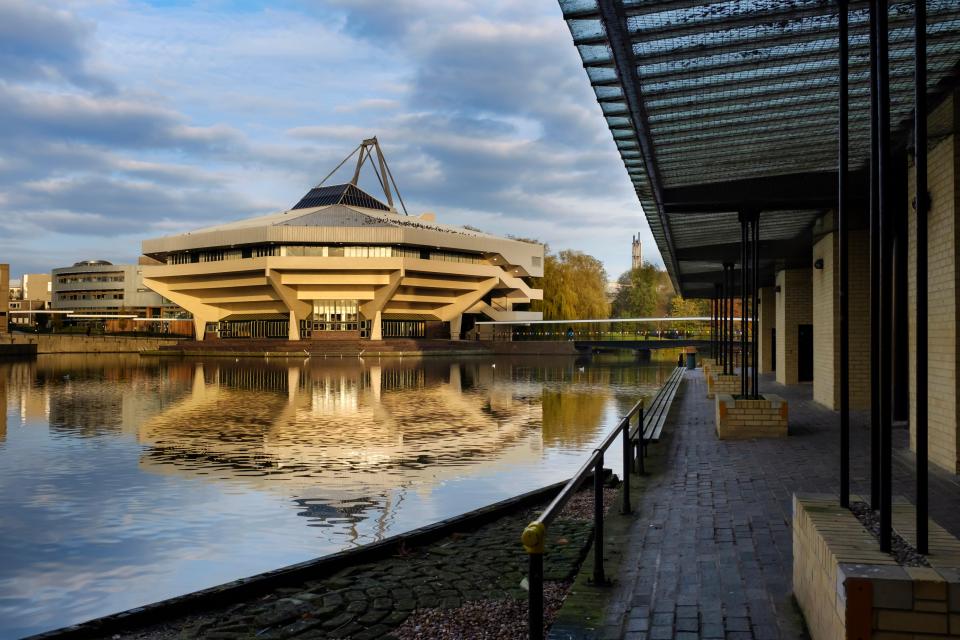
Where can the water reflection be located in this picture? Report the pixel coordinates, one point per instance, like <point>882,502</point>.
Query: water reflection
<point>124,480</point>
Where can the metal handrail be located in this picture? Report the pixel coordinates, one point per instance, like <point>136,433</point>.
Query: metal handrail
<point>535,534</point>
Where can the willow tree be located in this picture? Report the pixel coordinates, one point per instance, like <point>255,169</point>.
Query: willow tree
<point>574,287</point>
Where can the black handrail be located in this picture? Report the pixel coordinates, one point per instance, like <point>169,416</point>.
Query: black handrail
<point>534,536</point>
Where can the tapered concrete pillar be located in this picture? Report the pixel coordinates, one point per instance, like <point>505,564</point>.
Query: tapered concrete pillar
<point>199,327</point>
<point>456,322</point>
<point>794,326</point>
<point>826,318</point>
<point>376,326</point>
<point>293,333</point>
<point>767,322</point>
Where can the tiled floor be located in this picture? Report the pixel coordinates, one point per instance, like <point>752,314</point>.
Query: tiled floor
<point>710,553</point>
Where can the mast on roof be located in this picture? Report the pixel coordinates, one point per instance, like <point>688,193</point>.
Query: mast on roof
<point>367,149</point>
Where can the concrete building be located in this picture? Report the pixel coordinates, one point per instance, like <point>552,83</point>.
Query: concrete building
<point>342,264</point>
<point>37,287</point>
<point>102,288</point>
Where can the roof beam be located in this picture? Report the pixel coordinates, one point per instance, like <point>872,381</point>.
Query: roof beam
<point>731,251</point>
<point>615,25</point>
<point>814,190</point>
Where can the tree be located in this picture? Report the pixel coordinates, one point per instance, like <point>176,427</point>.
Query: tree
<point>574,287</point>
<point>682,308</point>
<point>642,292</point>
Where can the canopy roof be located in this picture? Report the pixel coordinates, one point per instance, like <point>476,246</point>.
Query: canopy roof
<point>718,107</point>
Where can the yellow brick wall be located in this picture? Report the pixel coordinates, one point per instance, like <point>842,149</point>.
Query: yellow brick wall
<point>793,307</point>
<point>826,323</point>
<point>943,245</point>
<point>767,319</point>
<point>826,320</point>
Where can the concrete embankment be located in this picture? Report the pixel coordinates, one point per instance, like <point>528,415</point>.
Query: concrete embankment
<point>366,592</point>
<point>70,343</point>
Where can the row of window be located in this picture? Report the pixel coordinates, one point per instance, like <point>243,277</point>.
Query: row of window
<point>71,279</point>
<point>89,295</point>
<point>358,251</point>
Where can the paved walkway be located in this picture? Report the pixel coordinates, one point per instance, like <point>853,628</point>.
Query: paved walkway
<point>710,553</point>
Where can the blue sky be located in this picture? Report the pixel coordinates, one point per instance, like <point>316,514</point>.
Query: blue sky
<point>125,120</point>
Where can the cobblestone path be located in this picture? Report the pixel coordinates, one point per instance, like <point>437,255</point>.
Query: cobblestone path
<point>368,601</point>
<point>710,553</point>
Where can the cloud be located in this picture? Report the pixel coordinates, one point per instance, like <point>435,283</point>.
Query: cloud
<point>40,43</point>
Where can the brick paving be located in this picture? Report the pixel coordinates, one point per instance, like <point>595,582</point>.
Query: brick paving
<point>710,551</point>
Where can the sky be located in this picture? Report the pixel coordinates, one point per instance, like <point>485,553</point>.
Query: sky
<point>123,120</point>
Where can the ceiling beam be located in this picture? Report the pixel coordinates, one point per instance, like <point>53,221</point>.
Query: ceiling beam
<point>813,190</point>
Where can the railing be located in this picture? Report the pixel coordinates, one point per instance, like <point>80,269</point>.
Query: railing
<point>534,536</point>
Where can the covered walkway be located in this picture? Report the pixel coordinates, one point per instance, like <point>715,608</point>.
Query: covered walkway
<point>709,553</point>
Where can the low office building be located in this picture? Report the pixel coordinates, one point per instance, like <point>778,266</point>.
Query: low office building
<point>342,264</point>
<point>98,287</point>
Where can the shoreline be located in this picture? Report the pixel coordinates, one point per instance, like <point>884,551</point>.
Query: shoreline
<point>237,591</point>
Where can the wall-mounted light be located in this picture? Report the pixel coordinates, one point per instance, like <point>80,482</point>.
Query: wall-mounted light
<point>777,289</point>
<point>818,263</point>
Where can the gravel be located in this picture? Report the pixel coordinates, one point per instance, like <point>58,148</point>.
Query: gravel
<point>481,619</point>
<point>904,552</point>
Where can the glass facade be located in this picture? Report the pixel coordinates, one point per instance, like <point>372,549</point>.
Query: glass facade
<point>336,315</point>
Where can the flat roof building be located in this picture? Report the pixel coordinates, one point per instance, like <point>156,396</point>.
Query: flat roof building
<point>342,264</point>
<point>101,287</point>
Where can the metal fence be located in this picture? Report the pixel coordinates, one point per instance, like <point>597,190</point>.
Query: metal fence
<point>535,535</point>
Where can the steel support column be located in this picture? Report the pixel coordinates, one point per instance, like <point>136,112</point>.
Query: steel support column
<point>879,50</point>
<point>744,259</point>
<point>842,224</point>
<point>922,208</point>
<point>874,279</point>
<point>755,324</point>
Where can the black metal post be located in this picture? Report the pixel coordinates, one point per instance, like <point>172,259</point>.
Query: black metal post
<point>922,207</point>
<point>535,596</point>
<point>642,444</point>
<point>626,466</point>
<point>842,159</point>
<point>744,260</point>
<point>755,324</point>
<point>874,277</point>
<point>598,574</point>
<point>886,227</point>
<point>721,323</point>
<point>731,361</point>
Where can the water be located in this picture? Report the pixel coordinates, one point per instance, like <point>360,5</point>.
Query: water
<point>125,480</point>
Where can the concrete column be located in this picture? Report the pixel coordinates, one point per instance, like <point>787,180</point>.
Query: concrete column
<point>826,319</point>
<point>199,326</point>
<point>943,290</point>
<point>4,298</point>
<point>767,319</point>
<point>376,326</point>
<point>293,333</point>
<point>793,309</point>
<point>456,322</point>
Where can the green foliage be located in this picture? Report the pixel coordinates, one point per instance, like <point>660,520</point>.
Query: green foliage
<point>642,292</point>
<point>574,287</point>
<point>682,308</point>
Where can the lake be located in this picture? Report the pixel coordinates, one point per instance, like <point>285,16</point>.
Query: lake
<point>126,479</point>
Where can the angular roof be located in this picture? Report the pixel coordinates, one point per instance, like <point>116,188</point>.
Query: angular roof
<point>348,194</point>
<point>717,106</point>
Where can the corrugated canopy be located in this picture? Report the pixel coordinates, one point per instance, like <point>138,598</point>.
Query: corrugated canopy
<point>717,107</point>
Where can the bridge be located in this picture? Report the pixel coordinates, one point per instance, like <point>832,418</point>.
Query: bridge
<point>602,334</point>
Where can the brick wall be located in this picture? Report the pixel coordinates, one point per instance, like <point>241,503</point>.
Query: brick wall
<point>793,308</point>
<point>826,319</point>
<point>942,291</point>
<point>747,418</point>
<point>767,319</point>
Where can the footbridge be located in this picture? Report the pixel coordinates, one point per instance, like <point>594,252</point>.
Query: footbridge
<point>638,334</point>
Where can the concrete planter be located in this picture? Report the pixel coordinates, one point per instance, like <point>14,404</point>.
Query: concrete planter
<point>848,589</point>
<point>739,419</point>
<point>722,383</point>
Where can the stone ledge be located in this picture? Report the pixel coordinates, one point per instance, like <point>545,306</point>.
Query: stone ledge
<point>847,588</point>
<point>739,419</point>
